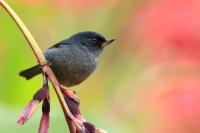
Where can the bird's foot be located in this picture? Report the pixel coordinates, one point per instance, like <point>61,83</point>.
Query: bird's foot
<point>69,93</point>
<point>45,63</point>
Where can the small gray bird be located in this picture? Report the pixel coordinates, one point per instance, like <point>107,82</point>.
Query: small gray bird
<point>74,59</point>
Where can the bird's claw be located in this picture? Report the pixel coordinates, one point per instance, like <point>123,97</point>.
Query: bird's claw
<point>46,63</point>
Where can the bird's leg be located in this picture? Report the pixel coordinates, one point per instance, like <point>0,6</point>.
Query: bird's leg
<point>45,79</point>
<point>69,93</point>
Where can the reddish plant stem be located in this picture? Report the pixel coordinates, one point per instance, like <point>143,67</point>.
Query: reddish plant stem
<point>41,59</point>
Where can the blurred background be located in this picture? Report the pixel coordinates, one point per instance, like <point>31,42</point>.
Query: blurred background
<point>148,81</point>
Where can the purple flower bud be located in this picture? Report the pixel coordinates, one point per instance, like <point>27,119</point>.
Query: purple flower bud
<point>73,105</point>
<point>45,107</point>
<point>28,112</point>
<point>90,128</point>
<point>42,93</point>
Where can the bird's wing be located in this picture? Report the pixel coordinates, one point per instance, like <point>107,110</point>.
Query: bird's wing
<point>64,42</point>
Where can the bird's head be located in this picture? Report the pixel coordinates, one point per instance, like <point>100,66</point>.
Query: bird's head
<point>91,40</point>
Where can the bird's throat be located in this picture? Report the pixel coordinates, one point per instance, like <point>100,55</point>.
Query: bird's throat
<point>96,51</point>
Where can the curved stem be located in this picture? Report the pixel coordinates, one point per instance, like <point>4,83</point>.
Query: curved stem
<point>41,59</point>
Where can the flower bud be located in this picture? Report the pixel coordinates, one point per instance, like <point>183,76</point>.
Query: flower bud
<point>28,112</point>
<point>90,128</point>
<point>44,122</point>
<point>73,105</point>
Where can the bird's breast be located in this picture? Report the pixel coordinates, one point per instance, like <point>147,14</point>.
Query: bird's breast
<point>71,65</point>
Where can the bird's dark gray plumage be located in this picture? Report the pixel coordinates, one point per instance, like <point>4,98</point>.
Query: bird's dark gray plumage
<point>74,59</point>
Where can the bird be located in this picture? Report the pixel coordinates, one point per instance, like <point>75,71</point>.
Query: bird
<point>74,59</point>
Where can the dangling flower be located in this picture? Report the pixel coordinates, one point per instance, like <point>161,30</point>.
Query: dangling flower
<point>28,112</point>
<point>44,122</point>
<point>32,105</point>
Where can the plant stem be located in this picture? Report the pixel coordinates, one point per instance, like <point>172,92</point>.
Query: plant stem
<point>41,59</point>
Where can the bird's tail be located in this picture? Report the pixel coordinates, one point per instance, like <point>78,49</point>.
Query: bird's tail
<point>31,72</point>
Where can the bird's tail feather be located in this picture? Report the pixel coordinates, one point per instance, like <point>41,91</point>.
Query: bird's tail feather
<point>31,72</point>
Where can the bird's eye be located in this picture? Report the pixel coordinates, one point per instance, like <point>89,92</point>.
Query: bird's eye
<point>92,39</point>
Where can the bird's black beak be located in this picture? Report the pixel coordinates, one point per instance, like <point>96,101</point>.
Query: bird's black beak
<point>107,43</point>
